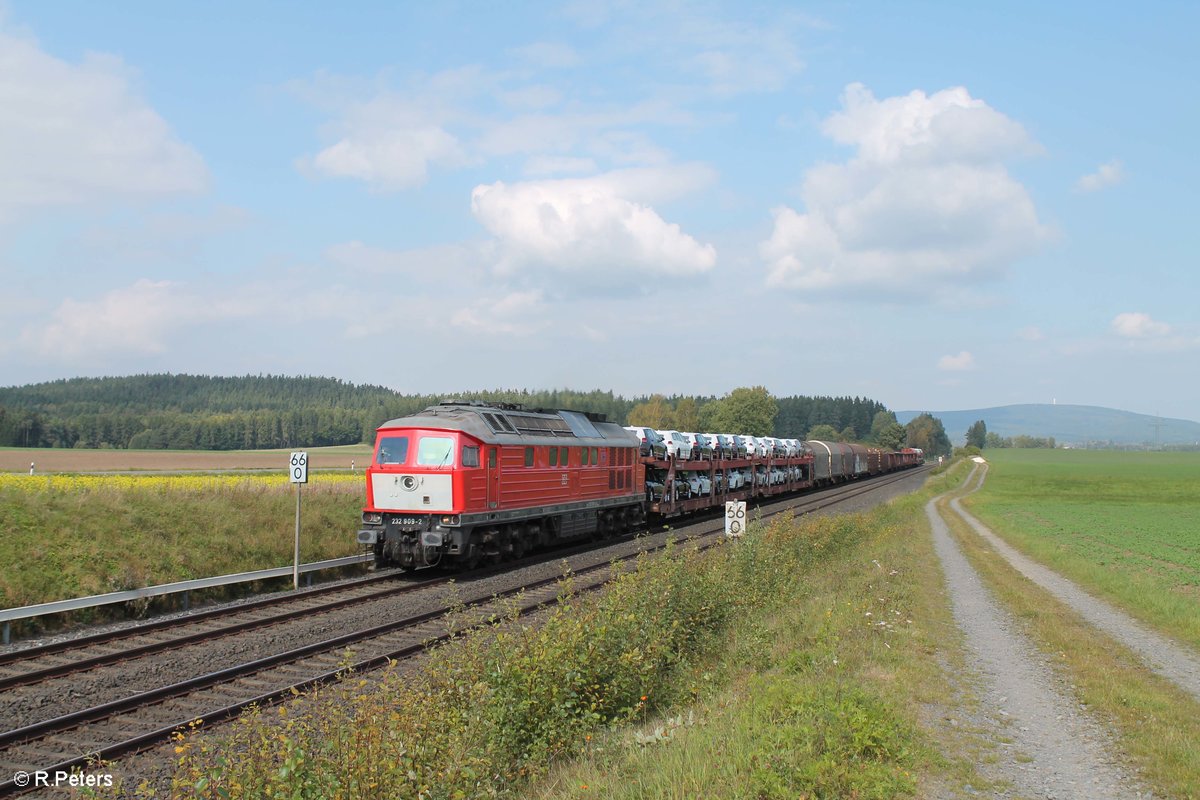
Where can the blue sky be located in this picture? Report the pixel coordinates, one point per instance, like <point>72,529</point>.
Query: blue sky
<point>937,205</point>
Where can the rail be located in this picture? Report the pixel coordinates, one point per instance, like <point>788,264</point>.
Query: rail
<point>10,615</point>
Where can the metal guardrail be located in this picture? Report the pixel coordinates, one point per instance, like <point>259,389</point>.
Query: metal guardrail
<point>10,615</point>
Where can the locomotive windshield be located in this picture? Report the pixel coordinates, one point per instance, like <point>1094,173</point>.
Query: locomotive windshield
<point>392,450</point>
<point>435,451</point>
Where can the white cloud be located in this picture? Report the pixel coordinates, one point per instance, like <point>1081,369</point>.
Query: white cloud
<point>155,317</point>
<point>959,363</point>
<point>925,200</point>
<point>392,138</point>
<point>388,142</point>
<point>132,320</point>
<point>604,132</point>
<point>514,314</point>
<point>80,133</point>
<point>598,230</point>
<point>1031,333</point>
<point>1106,175</point>
<point>1136,325</point>
<point>725,54</point>
<point>741,57</point>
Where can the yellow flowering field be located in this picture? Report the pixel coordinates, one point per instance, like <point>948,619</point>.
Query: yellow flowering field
<point>68,535</point>
<point>66,483</point>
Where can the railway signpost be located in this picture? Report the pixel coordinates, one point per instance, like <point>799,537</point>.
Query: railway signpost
<point>298,474</point>
<point>735,518</point>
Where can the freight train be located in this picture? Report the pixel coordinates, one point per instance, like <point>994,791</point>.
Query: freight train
<point>462,483</point>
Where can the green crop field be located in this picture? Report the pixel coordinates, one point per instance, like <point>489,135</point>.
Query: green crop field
<point>1126,526</point>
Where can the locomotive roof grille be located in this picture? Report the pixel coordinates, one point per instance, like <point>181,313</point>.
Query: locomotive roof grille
<point>594,416</point>
<point>541,426</point>
<point>498,422</point>
<point>507,419</point>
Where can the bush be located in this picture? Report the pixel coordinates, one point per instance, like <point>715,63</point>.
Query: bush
<point>498,706</point>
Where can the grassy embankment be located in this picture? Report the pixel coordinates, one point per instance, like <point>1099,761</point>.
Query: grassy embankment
<point>1069,510</point>
<point>1125,526</point>
<point>73,535</point>
<point>797,662</point>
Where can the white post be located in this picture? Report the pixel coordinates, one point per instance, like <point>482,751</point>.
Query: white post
<point>296,560</point>
<point>30,467</point>
<point>297,474</point>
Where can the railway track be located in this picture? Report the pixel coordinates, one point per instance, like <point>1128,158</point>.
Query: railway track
<point>57,659</point>
<point>136,721</point>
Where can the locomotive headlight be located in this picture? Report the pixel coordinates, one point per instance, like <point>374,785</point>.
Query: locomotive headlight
<point>409,483</point>
<point>450,520</point>
<point>372,517</point>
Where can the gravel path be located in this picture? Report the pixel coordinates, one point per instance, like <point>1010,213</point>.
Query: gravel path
<point>1052,748</point>
<point>1163,655</point>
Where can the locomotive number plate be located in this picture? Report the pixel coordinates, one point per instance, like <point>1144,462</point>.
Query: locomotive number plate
<point>406,520</point>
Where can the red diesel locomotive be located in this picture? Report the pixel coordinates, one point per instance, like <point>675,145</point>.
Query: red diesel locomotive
<point>461,482</point>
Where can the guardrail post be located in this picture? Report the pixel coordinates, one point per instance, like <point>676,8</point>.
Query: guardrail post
<point>7,633</point>
<point>187,600</point>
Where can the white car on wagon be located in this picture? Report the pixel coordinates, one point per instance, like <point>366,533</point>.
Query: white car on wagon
<point>678,446</point>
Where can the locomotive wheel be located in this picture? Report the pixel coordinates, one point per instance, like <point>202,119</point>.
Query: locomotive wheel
<point>474,554</point>
<point>518,545</point>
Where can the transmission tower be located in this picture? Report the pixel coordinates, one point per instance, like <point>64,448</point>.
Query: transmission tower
<point>1157,424</point>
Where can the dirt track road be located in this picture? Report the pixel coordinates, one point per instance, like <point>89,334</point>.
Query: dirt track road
<point>1047,745</point>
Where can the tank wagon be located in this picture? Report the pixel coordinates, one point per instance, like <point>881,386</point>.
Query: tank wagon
<point>464,482</point>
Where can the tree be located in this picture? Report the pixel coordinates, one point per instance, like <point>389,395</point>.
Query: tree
<point>891,437</point>
<point>880,423</point>
<point>977,435</point>
<point>994,440</point>
<point>687,415</point>
<point>927,433</point>
<point>746,410</point>
<point>654,413</point>
<point>823,433</point>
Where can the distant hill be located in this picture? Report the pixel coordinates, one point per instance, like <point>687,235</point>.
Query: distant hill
<point>1067,424</point>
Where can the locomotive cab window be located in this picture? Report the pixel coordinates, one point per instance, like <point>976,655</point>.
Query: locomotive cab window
<point>435,451</point>
<point>392,450</point>
<point>470,456</point>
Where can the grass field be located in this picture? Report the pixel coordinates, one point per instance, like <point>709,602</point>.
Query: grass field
<point>1124,525</point>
